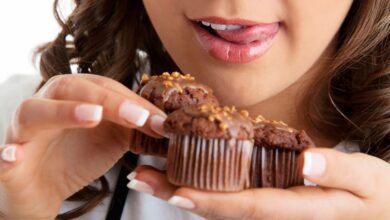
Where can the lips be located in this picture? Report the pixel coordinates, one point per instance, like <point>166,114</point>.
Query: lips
<point>235,41</point>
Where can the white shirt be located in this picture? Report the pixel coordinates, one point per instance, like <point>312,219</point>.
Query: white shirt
<point>139,206</point>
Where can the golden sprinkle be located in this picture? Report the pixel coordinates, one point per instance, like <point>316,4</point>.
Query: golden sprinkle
<point>167,83</point>
<point>226,108</point>
<point>259,118</point>
<point>282,123</point>
<point>223,126</point>
<point>188,76</point>
<point>290,130</point>
<point>176,74</point>
<point>170,78</point>
<point>145,78</point>
<point>245,113</point>
<point>233,109</point>
<point>211,118</point>
<point>179,88</point>
<point>203,108</point>
<point>166,74</point>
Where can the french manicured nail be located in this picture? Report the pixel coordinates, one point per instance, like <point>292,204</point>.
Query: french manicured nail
<point>132,175</point>
<point>157,124</point>
<point>133,113</point>
<point>87,112</point>
<point>140,186</point>
<point>9,153</point>
<point>308,183</point>
<point>314,164</point>
<point>181,202</point>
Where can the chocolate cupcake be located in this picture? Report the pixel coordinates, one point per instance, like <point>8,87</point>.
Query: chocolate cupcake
<point>210,148</point>
<point>275,153</point>
<point>168,92</point>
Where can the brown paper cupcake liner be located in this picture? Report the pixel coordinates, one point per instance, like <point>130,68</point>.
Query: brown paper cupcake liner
<point>273,167</point>
<point>146,145</point>
<point>209,164</point>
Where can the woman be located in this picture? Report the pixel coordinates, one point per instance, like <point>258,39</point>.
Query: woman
<point>322,66</point>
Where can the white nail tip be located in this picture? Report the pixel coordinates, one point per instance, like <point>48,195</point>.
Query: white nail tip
<point>309,183</point>
<point>9,154</point>
<point>181,202</point>
<point>140,186</point>
<point>89,112</point>
<point>156,124</point>
<point>132,175</point>
<point>307,164</point>
<point>142,118</point>
<point>134,113</point>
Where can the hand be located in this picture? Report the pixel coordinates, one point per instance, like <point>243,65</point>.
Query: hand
<point>351,186</point>
<point>67,135</point>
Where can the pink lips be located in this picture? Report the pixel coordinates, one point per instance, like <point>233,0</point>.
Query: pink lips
<point>237,46</point>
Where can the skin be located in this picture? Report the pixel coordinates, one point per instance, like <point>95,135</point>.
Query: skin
<point>57,153</point>
<point>300,48</point>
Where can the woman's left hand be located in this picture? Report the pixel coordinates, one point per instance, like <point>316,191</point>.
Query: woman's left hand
<point>350,186</point>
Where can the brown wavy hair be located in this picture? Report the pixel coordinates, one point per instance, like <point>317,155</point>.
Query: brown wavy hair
<point>351,102</point>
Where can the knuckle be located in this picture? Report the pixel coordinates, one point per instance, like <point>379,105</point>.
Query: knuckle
<point>104,99</point>
<point>21,116</point>
<point>57,86</point>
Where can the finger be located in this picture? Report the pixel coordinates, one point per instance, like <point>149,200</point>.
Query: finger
<point>299,203</point>
<point>35,116</point>
<point>129,109</point>
<point>11,156</point>
<point>106,82</point>
<point>358,173</point>
<point>149,180</point>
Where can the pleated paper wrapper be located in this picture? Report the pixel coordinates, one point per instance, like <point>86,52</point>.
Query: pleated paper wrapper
<point>274,167</point>
<point>209,164</point>
<point>146,145</point>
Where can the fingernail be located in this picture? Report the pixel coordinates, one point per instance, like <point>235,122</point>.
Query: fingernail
<point>308,183</point>
<point>140,186</point>
<point>314,164</point>
<point>157,124</point>
<point>181,202</point>
<point>9,154</point>
<point>87,112</point>
<point>133,113</point>
<point>132,175</point>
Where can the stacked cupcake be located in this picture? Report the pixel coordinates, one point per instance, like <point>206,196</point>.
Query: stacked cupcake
<point>218,148</point>
<point>168,92</point>
<point>210,148</point>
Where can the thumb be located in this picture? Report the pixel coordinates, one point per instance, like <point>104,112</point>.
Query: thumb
<point>10,156</point>
<point>357,173</point>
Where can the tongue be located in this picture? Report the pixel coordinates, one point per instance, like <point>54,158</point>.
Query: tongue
<point>249,34</point>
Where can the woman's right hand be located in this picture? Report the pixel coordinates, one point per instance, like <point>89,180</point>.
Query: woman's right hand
<point>71,132</point>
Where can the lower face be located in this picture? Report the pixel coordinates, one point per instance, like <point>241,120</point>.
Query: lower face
<point>247,51</point>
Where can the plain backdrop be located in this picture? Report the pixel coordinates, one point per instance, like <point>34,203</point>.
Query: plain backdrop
<point>24,24</point>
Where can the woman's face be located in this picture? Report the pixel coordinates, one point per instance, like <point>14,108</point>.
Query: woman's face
<point>247,50</point>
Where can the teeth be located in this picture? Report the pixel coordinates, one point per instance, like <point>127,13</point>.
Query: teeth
<point>234,27</point>
<point>222,27</point>
<point>205,23</point>
<point>218,27</point>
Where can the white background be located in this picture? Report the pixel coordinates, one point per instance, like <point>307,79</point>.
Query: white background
<point>24,24</point>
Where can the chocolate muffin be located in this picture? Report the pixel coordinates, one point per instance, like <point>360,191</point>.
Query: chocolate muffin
<point>168,92</point>
<point>210,148</point>
<point>275,153</point>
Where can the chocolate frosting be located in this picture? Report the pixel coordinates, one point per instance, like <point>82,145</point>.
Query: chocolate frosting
<point>172,91</point>
<point>209,121</point>
<point>277,134</point>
